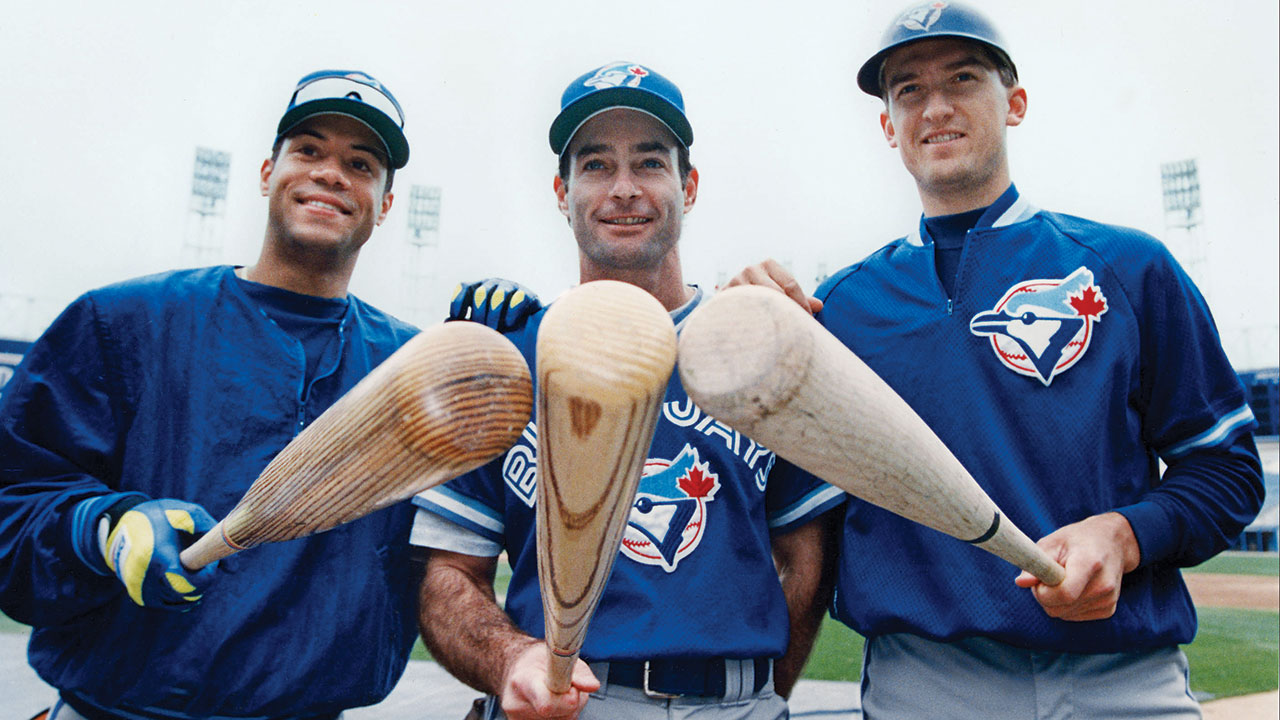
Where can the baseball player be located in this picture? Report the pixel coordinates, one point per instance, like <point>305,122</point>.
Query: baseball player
<point>694,618</point>
<point>149,407</point>
<point>1060,359</point>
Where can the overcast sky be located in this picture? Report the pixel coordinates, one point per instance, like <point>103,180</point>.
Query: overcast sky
<point>106,102</point>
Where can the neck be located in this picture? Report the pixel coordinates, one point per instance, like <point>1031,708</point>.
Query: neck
<point>327,282</point>
<point>964,196</point>
<point>665,283</point>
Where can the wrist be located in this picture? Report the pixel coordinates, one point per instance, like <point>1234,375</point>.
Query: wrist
<point>1124,538</point>
<point>92,519</point>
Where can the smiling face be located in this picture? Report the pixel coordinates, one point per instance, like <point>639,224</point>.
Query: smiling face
<point>623,195</point>
<point>325,191</point>
<point>946,112</point>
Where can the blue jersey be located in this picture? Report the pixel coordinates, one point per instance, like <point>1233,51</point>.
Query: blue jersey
<point>696,576</point>
<point>179,386</point>
<point>1071,357</point>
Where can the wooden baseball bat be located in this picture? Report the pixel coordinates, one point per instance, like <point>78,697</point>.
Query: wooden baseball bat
<point>755,360</point>
<point>605,354</point>
<point>452,398</point>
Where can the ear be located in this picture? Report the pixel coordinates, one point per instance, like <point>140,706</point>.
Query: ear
<point>562,196</point>
<point>1017,106</point>
<point>691,190</point>
<point>264,184</point>
<point>387,197</point>
<point>886,124</point>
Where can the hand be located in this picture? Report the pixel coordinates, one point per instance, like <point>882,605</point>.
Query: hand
<point>525,695</point>
<point>139,540</point>
<point>501,304</point>
<point>1096,552</point>
<point>771,274</point>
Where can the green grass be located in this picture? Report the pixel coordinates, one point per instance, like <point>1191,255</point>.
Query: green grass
<point>1240,563</point>
<point>1236,652</point>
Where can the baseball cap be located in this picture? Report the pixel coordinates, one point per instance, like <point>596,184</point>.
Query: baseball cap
<point>934,19</point>
<point>354,94</point>
<point>619,84</point>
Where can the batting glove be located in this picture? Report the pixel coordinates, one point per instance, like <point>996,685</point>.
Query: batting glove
<point>139,540</point>
<point>501,304</point>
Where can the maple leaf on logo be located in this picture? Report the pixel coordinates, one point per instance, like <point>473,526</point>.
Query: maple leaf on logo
<point>697,482</point>
<point>1089,303</point>
<point>638,71</point>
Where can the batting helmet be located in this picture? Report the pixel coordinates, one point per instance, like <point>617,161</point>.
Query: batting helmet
<point>932,20</point>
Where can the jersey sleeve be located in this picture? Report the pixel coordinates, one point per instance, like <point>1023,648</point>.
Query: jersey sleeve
<point>473,502</point>
<point>793,497</point>
<point>1196,416</point>
<point>61,419</point>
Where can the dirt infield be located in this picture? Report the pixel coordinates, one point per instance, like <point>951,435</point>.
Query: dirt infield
<point>1248,592</point>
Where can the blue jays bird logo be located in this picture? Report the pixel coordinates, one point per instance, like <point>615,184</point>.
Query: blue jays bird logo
<point>669,516</point>
<point>1042,327</point>
<point>617,75</point>
<point>923,17</point>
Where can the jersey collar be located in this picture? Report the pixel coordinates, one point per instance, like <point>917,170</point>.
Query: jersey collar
<point>1008,209</point>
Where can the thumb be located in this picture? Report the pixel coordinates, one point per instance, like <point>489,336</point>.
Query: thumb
<point>583,679</point>
<point>1026,580</point>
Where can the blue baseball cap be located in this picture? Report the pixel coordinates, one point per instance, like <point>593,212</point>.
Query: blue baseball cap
<point>619,84</point>
<point>935,19</point>
<point>354,94</point>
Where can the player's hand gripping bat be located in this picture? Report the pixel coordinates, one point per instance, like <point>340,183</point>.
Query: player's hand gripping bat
<point>452,398</point>
<point>605,354</point>
<point>756,361</point>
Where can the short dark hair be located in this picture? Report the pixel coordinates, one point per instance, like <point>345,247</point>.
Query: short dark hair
<point>279,143</point>
<point>997,60</point>
<point>683,164</point>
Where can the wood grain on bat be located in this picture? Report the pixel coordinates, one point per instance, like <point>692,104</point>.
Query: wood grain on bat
<point>755,360</point>
<point>605,353</point>
<point>452,398</point>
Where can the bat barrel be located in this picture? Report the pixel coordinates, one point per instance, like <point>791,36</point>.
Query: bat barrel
<point>755,360</point>
<point>605,355</point>
<point>452,398</point>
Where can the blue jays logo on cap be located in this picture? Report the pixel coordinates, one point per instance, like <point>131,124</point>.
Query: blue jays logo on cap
<point>619,84</point>
<point>923,17</point>
<point>1040,328</point>
<point>354,94</point>
<point>669,516</point>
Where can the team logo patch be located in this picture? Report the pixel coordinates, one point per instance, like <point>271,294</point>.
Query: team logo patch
<point>1040,328</point>
<point>922,17</point>
<point>618,75</point>
<point>670,513</point>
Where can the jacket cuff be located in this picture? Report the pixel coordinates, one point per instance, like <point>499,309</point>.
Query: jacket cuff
<point>1150,524</point>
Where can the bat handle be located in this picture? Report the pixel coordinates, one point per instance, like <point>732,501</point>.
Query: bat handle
<point>209,548</point>
<point>560,670</point>
<point>1044,568</point>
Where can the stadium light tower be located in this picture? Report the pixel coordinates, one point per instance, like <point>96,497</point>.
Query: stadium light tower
<point>1183,217</point>
<point>424,237</point>
<point>202,241</point>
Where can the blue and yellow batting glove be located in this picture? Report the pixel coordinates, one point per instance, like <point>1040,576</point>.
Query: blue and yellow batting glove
<point>501,304</point>
<point>139,541</point>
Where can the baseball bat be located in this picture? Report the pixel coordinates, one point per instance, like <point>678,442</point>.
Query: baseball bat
<point>605,354</point>
<point>452,398</point>
<point>755,360</point>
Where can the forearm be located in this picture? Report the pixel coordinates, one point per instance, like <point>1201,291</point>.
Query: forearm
<point>464,628</point>
<point>804,559</point>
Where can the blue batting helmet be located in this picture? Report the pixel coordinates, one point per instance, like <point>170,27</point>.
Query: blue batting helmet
<point>928,20</point>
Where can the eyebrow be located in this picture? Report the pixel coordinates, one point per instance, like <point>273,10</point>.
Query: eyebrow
<point>380,155</point>
<point>644,147</point>
<point>967,61</point>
